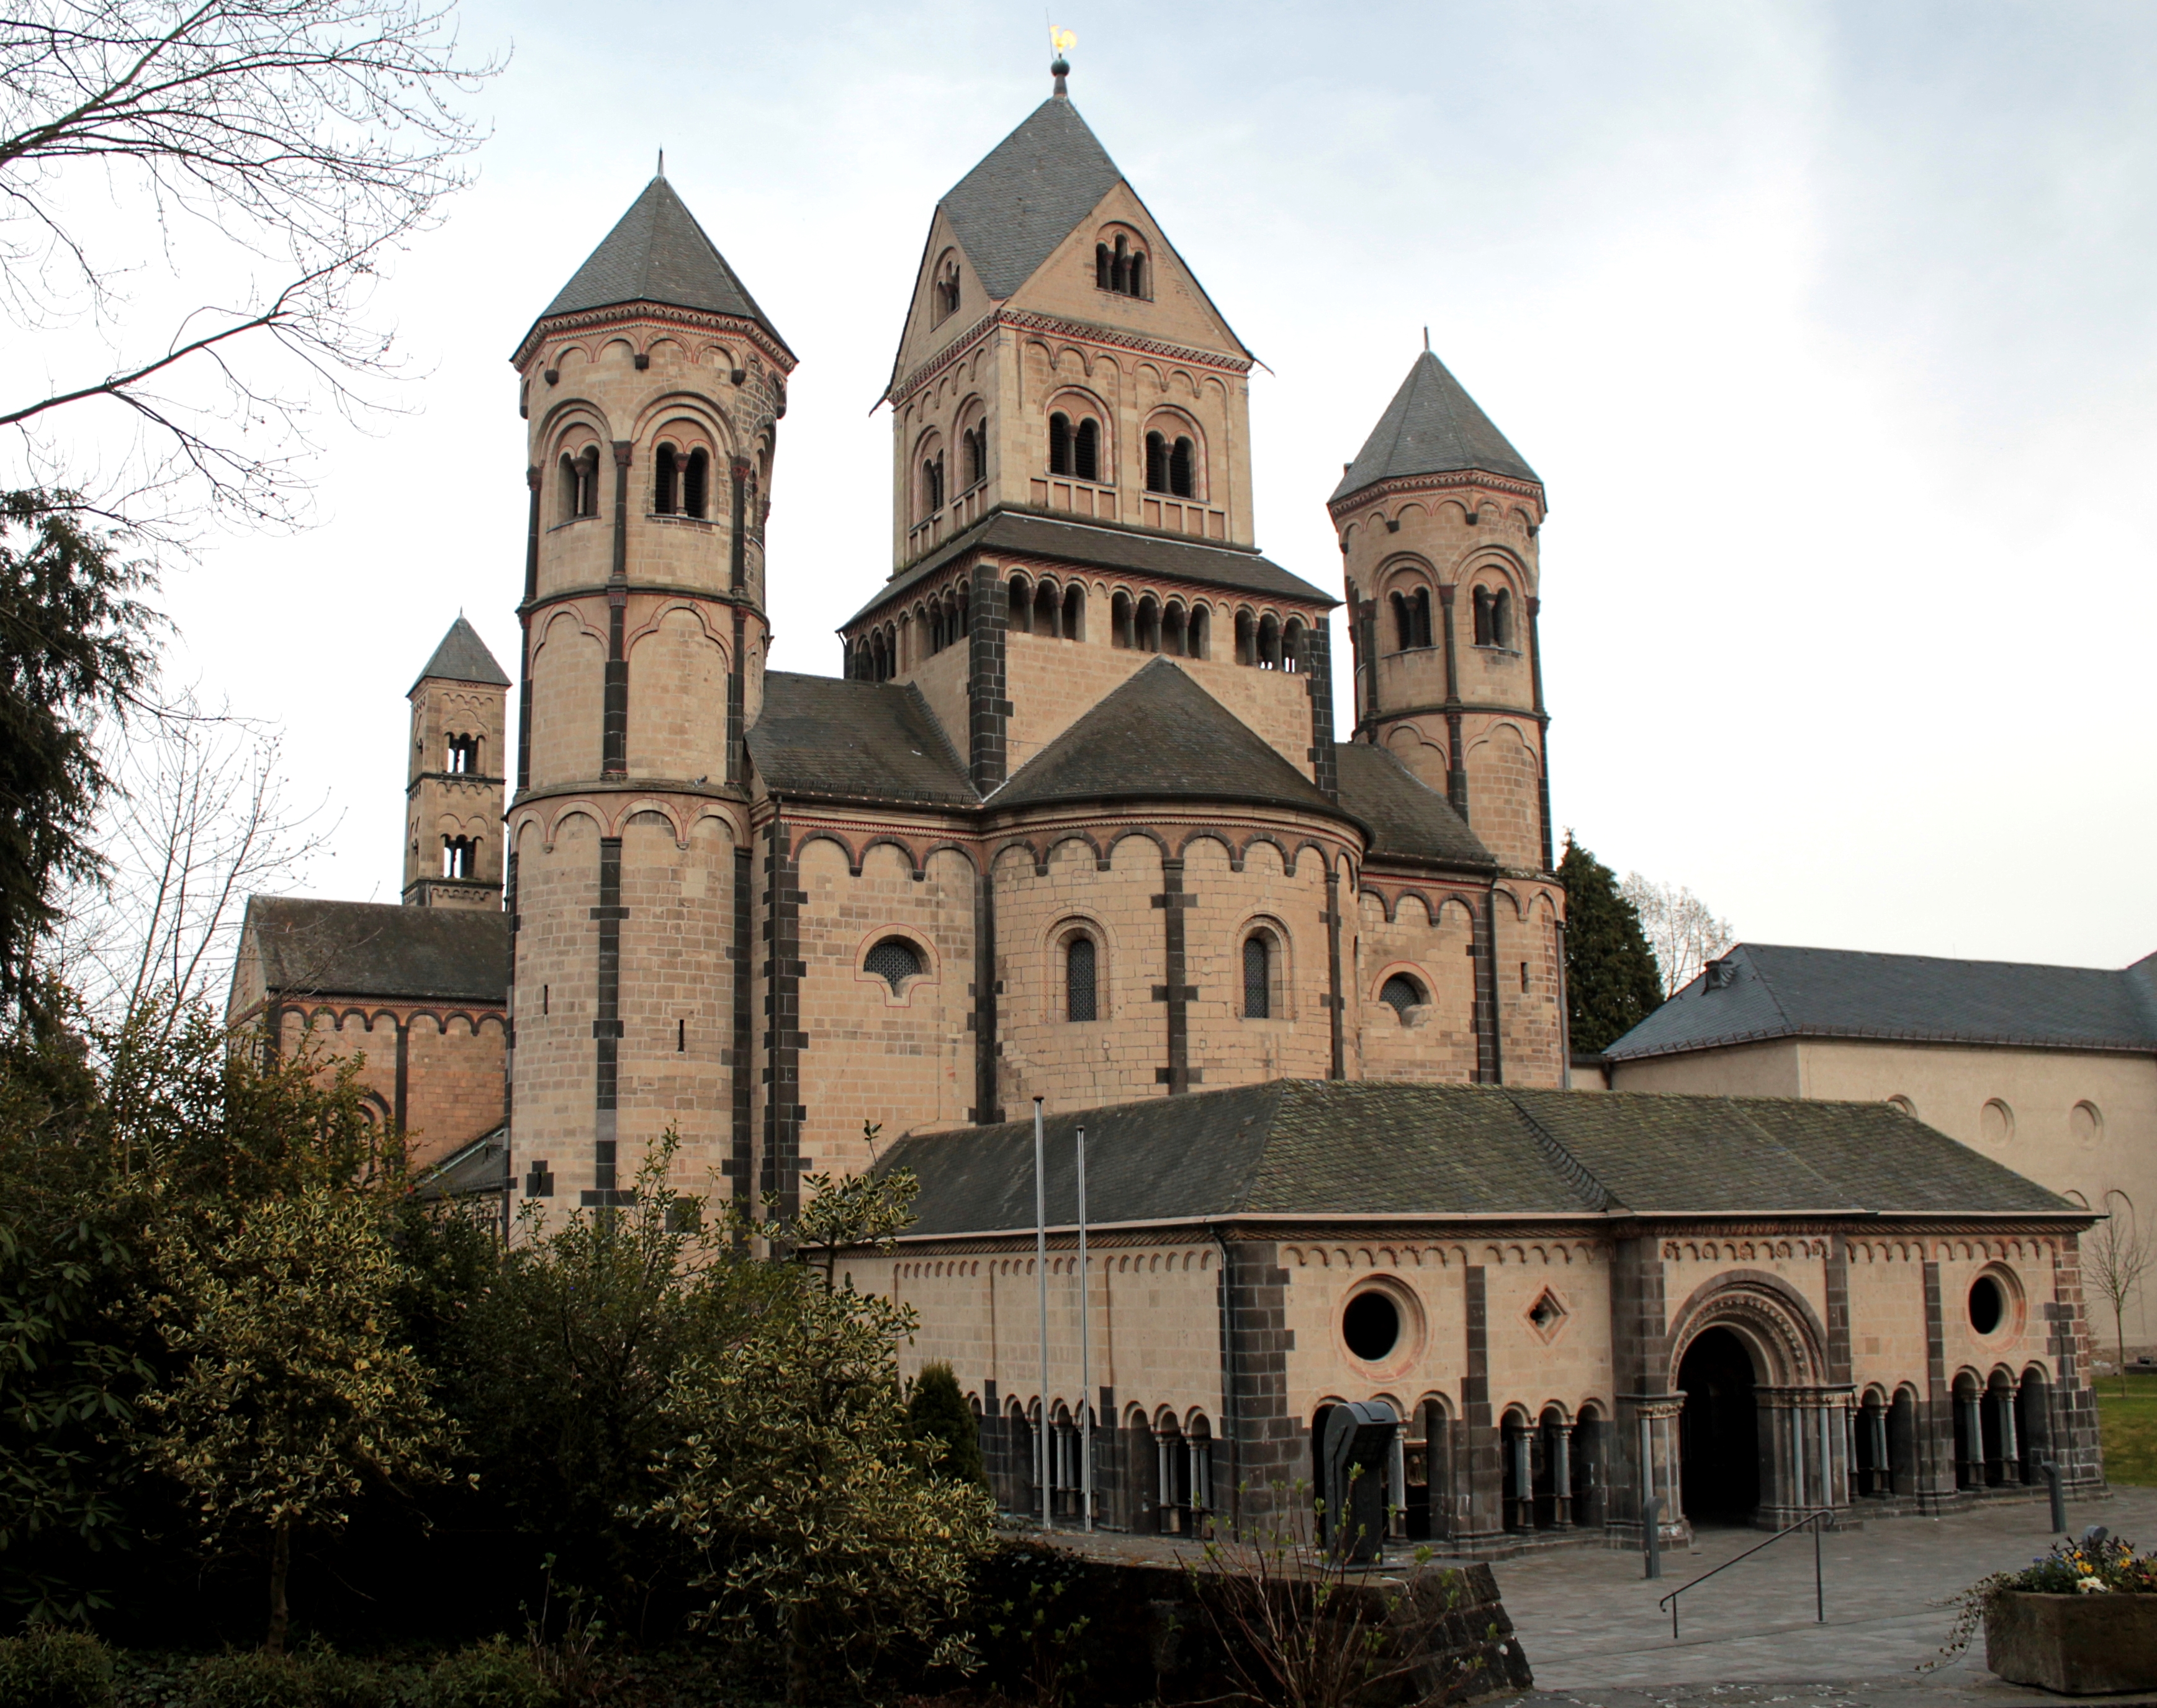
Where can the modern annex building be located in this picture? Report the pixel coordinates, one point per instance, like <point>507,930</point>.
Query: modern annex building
<point>1071,824</point>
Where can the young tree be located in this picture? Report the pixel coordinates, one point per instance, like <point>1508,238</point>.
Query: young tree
<point>2116,1257</point>
<point>941,1420</point>
<point>294,1394</point>
<point>1682,933</point>
<point>1610,979</point>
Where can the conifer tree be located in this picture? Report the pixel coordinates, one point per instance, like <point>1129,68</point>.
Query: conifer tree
<point>941,1419</point>
<point>1611,983</point>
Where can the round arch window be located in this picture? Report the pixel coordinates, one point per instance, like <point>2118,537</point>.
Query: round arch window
<point>1998,1122</point>
<point>895,960</point>
<point>1402,993</point>
<point>1372,1325</point>
<point>1988,1305</point>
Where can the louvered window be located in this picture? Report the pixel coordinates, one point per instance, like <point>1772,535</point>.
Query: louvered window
<point>1402,992</point>
<point>895,960</point>
<point>1258,978</point>
<point>1078,973</point>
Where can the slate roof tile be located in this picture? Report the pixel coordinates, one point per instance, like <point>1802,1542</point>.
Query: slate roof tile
<point>828,738</point>
<point>1431,427</point>
<point>463,657</point>
<point>374,949</point>
<point>1027,194</point>
<point>1409,819</point>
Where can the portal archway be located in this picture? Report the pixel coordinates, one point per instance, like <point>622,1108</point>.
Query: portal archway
<point>1719,1430</point>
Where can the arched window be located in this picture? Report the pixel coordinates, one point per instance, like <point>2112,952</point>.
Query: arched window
<point>1269,645</point>
<point>1501,618</point>
<point>1148,625</point>
<point>1157,450</point>
<point>932,484</point>
<point>1482,617</point>
<point>1074,612</point>
<point>460,857</point>
<point>1060,444</point>
<point>1045,609</point>
<point>463,754</point>
<point>1257,976</point>
<point>1247,638</point>
<point>1103,267</point>
<point>895,960</point>
<point>1086,451</point>
<point>666,481</point>
<point>1182,458</point>
<point>1120,632</point>
<point>1021,605</point>
<point>1197,635</point>
<point>1411,617</point>
<point>1078,970</point>
<point>1292,639</point>
<point>1402,993</point>
<point>1121,268</point>
<point>947,288</point>
<point>1172,629</point>
<point>977,441</point>
<point>581,484</point>
<point>696,483</point>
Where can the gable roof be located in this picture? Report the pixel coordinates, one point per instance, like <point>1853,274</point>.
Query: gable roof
<point>1431,427</point>
<point>1775,991</point>
<point>1161,736</point>
<point>1099,545</point>
<point>658,252</point>
<point>462,657</point>
<point>1407,819</point>
<point>374,949</point>
<point>830,738</point>
<point>1029,192</point>
<point>1294,1148</point>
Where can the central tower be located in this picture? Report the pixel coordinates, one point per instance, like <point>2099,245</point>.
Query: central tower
<point>652,385</point>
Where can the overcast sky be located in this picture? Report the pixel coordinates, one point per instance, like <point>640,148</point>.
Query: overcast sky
<point>1830,331</point>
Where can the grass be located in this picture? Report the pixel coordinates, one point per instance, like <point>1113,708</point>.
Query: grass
<point>2126,1424</point>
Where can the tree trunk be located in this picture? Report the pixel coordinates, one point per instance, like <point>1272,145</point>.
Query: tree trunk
<point>798,1670</point>
<point>280,1565</point>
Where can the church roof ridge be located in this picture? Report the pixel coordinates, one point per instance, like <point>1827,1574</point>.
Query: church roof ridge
<point>658,252</point>
<point>462,656</point>
<point>1431,427</point>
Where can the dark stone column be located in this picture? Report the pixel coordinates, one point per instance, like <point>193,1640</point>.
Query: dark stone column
<point>2073,1421</point>
<point>1456,773</point>
<point>615,750</point>
<point>741,1057</point>
<point>1366,644</point>
<point>1336,1000</point>
<point>1490,1063</point>
<point>984,991</point>
<point>1318,672</point>
<point>1479,1470</point>
<point>1263,1444</point>
<point>524,623</point>
<point>1172,902</point>
<point>784,1040</point>
<point>1542,727</point>
<point>988,712</point>
<point>1936,1461</point>
<point>404,1071</point>
<point>1640,1361</point>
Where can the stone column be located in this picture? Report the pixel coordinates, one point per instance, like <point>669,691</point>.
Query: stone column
<point>1560,1453</point>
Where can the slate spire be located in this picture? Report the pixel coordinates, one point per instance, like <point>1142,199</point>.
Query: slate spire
<point>658,252</point>
<point>462,657</point>
<point>1431,427</point>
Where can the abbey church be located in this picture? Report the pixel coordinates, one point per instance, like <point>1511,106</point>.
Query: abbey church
<point>1071,828</point>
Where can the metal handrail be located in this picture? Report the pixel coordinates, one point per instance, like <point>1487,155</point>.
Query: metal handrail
<point>1820,1589</point>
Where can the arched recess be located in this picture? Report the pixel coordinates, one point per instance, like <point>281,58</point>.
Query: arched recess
<point>677,715</point>
<point>569,668</point>
<point>1787,1339</point>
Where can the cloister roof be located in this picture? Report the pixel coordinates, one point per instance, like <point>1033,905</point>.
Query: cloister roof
<point>1292,1147</point>
<point>375,949</point>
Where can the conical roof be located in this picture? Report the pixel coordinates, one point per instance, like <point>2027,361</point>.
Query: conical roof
<point>462,657</point>
<point>1161,736</point>
<point>1028,194</point>
<point>1431,427</point>
<point>658,252</point>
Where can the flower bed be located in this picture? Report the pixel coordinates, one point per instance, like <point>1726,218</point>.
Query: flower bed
<point>2081,1620</point>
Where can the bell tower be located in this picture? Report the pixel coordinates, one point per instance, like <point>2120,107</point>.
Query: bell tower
<point>454,783</point>
<point>651,386</point>
<point>1438,518</point>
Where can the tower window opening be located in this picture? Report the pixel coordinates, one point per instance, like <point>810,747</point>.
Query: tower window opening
<point>1246,642</point>
<point>545,991</point>
<point>1148,625</point>
<point>1501,618</point>
<point>1293,638</point>
<point>1257,977</point>
<point>1086,451</point>
<point>463,756</point>
<point>460,857</point>
<point>1269,655</point>
<point>932,485</point>
<point>1121,269</point>
<point>1103,269</point>
<point>666,481</point>
<point>1120,630</point>
<point>895,960</point>
<point>1060,444</point>
<point>1198,633</point>
<point>696,483</point>
<point>1174,631</point>
<point>976,442</point>
<point>1411,617</point>
<point>1401,993</point>
<point>581,484</point>
<point>1181,458</point>
<point>1021,605</point>
<point>1079,972</point>
<point>680,1036</point>
<point>1045,610</point>
<point>1156,460</point>
<point>1524,978</point>
<point>1483,616</point>
<point>1074,612</point>
<point>947,291</point>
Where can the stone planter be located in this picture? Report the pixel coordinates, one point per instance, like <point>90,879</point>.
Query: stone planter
<point>2079,1645</point>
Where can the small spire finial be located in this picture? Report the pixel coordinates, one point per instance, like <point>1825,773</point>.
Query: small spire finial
<point>1426,341</point>
<point>663,163</point>
<point>1062,41</point>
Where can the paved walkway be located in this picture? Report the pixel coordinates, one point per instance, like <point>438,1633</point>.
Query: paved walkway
<point>1595,1635</point>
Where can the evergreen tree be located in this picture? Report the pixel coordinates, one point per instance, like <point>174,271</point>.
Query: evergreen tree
<point>1611,981</point>
<point>938,1416</point>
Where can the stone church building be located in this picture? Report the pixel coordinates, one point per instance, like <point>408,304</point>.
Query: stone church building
<point>1072,825</point>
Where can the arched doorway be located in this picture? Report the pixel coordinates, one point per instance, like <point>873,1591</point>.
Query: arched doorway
<point>1719,1433</point>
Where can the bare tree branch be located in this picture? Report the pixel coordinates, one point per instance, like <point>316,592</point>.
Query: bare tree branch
<point>2115,1257</point>
<point>1680,928</point>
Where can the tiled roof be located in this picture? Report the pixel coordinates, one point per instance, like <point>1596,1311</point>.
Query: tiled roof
<point>1095,545</point>
<point>1431,427</point>
<point>372,949</point>
<point>827,738</point>
<point>1774,991</point>
<point>1160,736</point>
<point>1407,820</point>
<point>463,657</point>
<point>1028,194</point>
<point>1318,1148</point>
<point>658,252</point>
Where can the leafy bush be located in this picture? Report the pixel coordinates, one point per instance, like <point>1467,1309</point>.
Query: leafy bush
<point>251,1678</point>
<point>941,1419</point>
<point>48,1668</point>
<point>493,1675</point>
<point>337,1680</point>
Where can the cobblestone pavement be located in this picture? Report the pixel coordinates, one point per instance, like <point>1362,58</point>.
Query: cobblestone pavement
<point>1595,1635</point>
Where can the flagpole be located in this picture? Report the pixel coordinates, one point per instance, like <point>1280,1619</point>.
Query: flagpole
<point>1085,1351</point>
<point>1040,1276</point>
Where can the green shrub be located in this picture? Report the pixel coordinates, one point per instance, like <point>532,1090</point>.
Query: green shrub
<point>48,1669</point>
<point>492,1675</point>
<point>937,1413</point>
<point>336,1681</point>
<point>251,1678</point>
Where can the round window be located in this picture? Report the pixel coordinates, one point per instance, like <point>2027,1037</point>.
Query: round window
<point>1988,1305</point>
<point>1370,1325</point>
